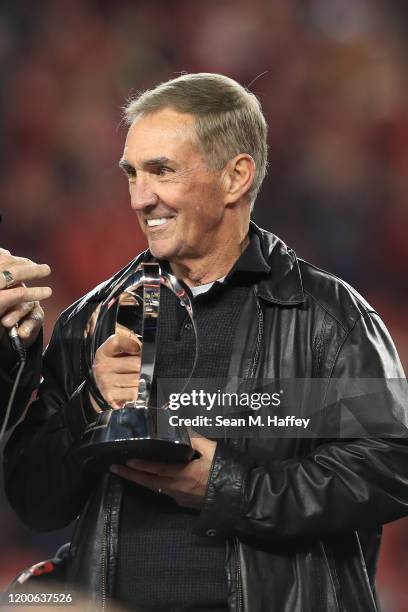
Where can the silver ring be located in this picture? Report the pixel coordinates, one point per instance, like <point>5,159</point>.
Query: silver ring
<point>160,491</point>
<point>9,278</point>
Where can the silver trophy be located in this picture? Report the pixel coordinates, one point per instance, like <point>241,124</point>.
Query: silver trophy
<point>138,429</point>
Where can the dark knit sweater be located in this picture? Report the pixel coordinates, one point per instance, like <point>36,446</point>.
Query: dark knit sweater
<point>162,564</point>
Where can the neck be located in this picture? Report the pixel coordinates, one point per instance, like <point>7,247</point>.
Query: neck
<point>212,266</point>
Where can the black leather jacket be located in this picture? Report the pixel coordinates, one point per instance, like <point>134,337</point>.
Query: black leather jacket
<point>301,517</point>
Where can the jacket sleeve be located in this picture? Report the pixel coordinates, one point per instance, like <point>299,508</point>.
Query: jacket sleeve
<point>44,481</point>
<point>341,486</point>
<point>29,381</point>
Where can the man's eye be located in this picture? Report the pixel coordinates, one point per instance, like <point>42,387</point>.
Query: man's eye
<point>162,170</point>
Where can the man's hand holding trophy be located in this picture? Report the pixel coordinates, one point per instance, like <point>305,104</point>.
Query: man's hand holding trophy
<point>120,348</point>
<point>116,368</point>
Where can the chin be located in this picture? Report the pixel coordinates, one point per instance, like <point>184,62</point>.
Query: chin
<point>161,251</point>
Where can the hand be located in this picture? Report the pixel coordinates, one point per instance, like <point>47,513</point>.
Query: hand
<point>20,304</point>
<point>186,483</point>
<point>116,368</point>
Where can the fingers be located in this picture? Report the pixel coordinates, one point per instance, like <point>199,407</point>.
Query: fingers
<point>117,367</point>
<point>29,316</point>
<point>18,303</point>
<point>156,467</point>
<point>30,326</point>
<point>16,313</point>
<point>18,295</point>
<point>108,377</point>
<point>20,268</point>
<point>125,381</point>
<point>117,379</point>
<point>7,259</point>
<point>117,397</point>
<point>121,364</point>
<point>22,272</point>
<point>150,481</point>
<point>186,484</point>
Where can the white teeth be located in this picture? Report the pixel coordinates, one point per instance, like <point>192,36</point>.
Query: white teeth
<point>153,222</point>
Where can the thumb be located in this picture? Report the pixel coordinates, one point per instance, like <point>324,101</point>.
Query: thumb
<point>128,340</point>
<point>193,434</point>
<point>120,343</point>
<point>199,442</point>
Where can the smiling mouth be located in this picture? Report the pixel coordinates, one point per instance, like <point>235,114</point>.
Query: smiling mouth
<point>158,222</point>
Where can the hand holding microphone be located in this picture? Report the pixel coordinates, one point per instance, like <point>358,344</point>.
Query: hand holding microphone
<point>21,315</point>
<point>20,310</point>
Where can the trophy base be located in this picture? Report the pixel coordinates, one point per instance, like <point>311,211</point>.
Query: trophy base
<point>99,457</point>
<point>133,433</point>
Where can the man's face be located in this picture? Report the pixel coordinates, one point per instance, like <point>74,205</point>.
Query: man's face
<point>177,199</point>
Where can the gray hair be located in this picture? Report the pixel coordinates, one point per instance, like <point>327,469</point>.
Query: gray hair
<point>228,117</point>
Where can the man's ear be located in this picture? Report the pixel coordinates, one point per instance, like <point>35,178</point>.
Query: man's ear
<point>238,177</point>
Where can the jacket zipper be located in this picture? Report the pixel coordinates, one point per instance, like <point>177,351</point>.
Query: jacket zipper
<point>238,578</point>
<point>104,560</point>
<point>258,342</point>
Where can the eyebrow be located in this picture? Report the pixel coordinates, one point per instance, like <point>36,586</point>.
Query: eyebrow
<point>125,166</point>
<point>155,161</point>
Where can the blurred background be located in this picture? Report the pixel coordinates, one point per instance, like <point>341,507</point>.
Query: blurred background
<point>332,79</point>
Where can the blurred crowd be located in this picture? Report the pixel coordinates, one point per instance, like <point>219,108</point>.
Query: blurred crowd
<point>333,81</point>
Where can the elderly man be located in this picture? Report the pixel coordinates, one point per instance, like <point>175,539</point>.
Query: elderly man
<point>253,524</point>
<point>19,308</point>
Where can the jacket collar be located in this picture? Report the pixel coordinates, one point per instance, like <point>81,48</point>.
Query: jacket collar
<point>284,284</point>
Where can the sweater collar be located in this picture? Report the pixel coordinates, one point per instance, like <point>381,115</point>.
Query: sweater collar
<point>252,260</point>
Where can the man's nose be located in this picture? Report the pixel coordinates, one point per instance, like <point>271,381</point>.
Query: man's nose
<point>142,194</point>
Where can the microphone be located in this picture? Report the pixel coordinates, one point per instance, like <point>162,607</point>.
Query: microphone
<point>18,344</point>
<point>20,349</point>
